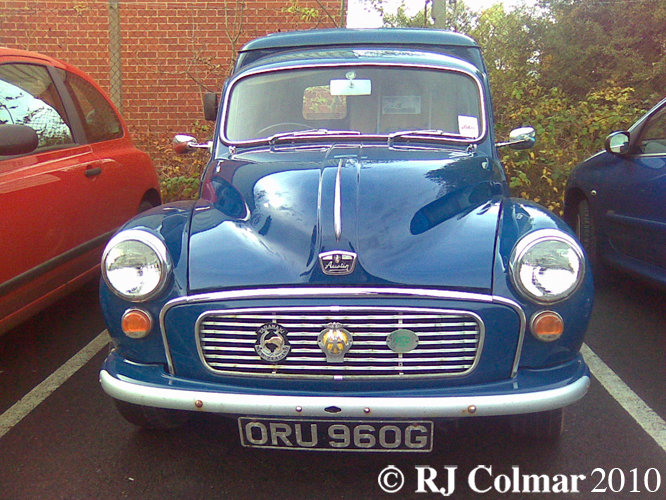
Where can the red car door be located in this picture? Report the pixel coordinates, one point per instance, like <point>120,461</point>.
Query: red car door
<point>46,225</point>
<point>115,200</point>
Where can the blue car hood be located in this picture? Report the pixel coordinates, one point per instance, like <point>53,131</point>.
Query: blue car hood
<point>265,217</point>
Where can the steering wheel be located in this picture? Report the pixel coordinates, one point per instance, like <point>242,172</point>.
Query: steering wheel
<point>287,125</point>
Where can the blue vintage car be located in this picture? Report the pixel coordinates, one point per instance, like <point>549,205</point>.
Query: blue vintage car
<point>616,200</point>
<point>354,268</point>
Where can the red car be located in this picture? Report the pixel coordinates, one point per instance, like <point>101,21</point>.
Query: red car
<point>69,176</point>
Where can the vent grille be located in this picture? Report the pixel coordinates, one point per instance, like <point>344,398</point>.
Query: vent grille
<point>449,342</point>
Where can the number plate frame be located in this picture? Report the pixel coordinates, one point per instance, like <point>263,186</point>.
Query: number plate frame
<point>360,435</point>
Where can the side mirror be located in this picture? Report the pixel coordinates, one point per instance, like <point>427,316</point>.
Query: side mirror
<point>618,143</point>
<point>520,138</point>
<point>17,140</point>
<point>183,144</point>
<point>210,104</point>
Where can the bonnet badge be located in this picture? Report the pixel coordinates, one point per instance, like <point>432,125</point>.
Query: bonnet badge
<point>337,262</point>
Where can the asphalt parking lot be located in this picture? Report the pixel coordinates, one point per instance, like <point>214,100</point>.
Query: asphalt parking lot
<point>61,438</point>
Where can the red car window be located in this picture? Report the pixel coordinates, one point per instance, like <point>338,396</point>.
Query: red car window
<point>99,120</point>
<point>28,97</point>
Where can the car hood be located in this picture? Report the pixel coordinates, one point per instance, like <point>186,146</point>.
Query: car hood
<point>265,218</point>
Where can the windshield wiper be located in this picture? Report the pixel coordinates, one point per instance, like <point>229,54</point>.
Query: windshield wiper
<point>435,133</point>
<point>313,132</point>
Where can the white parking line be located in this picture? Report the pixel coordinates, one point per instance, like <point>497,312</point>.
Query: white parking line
<point>645,416</point>
<point>30,401</point>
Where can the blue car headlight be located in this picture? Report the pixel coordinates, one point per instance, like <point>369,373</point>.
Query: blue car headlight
<point>547,266</point>
<point>136,265</point>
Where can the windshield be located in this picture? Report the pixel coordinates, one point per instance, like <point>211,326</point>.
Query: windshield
<point>368,100</point>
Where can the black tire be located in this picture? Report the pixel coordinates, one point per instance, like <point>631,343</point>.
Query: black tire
<point>544,426</point>
<point>586,232</point>
<point>145,205</point>
<point>148,417</point>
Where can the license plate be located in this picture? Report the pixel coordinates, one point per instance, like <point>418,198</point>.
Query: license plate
<point>336,435</point>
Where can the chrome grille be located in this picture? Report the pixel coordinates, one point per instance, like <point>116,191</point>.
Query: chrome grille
<point>449,341</point>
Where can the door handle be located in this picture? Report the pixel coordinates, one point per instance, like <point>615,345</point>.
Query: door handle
<point>93,171</point>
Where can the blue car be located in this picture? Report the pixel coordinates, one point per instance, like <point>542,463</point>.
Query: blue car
<point>354,269</point>
<point>616,200</point>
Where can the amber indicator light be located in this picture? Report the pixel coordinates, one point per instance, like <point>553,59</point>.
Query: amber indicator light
<point>547,326</point>
<point>136,323</point>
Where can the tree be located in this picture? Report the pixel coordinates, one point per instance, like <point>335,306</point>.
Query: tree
<point>592,44</point>
<point>511,44</point>
<point>313,15</point>
<point>402,20</point>
<point>458,17</point>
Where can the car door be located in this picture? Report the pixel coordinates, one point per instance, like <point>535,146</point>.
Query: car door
<point>45,223</point>
<point>114,198</point>
<point>635,218</point>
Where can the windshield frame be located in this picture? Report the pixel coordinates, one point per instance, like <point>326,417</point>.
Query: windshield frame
<point>345,134</point>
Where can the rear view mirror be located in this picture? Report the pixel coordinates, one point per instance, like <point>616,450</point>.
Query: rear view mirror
<point>520,138</point>
<point>618,143</point>
<point>183,144</point>
<point>210,104</point>
<point>17,140</point>
<point>351,87</point>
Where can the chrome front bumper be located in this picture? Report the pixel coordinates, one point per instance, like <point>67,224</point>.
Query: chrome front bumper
<point>344,407</point>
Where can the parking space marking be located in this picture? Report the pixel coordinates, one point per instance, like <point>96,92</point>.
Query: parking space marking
<point>39,393</point>
<point>645,416</point>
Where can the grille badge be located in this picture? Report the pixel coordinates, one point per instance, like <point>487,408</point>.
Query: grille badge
<point>272,344</point>
<point>335,341</point>
<point>402,340</point>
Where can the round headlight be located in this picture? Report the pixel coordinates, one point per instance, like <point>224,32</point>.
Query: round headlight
<point>135,265</point>
<point>547,266</point>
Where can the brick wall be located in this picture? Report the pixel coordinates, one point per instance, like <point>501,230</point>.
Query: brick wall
<point>171,50</point>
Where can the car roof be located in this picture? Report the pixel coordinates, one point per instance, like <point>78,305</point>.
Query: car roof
<point>428,40</point>
<point>347,55</point>
<point>345,36</point>
<point>28,55</point>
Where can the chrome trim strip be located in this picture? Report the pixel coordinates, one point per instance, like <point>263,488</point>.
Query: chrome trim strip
<point>523,325</point>
<point>283,313</point>
<point>281,293</point>
<point>350,407</point>
<point>337,203</point>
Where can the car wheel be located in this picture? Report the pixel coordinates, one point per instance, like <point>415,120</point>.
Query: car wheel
<point>145,205</point>
<point>149,417</point>
<point>543,426</point>
<point>585,230</point>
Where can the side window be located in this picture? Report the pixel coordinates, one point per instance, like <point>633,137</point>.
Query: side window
<point>99,120</point>
<point>653,135</point>
<point>28,97</point>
